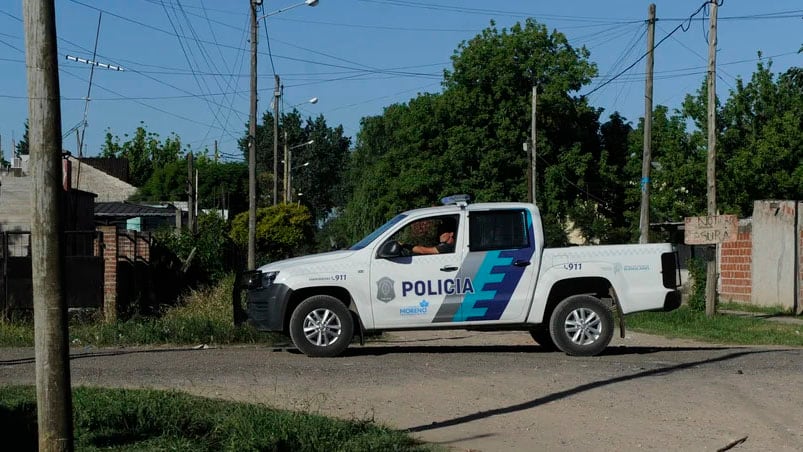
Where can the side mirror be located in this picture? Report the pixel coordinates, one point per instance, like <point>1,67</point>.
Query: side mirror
<point>389,250</point>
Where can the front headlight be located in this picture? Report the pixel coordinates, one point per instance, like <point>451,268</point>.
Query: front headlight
<point>256,279</point>
<point>268,278</point>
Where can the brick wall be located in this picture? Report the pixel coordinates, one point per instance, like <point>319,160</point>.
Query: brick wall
<point>735,267</point>
<point>109,272</point>
<point>134,246</point>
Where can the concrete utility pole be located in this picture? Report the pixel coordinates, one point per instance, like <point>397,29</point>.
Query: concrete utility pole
<point>252,144</point>
<point>277,94</point>
<point>533,154</point>
<point>190,194</point>
<point>286,166</point>
<point>646,159</point>
<point>53,397</point>
<point>711,175</point>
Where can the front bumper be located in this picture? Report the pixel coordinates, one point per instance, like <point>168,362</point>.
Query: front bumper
<point>266,307</point>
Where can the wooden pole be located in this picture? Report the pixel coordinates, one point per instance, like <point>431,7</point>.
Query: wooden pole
<point>252,146</point>
<point>53,398</point>
<point>711,176</point>
<point>646,160</point>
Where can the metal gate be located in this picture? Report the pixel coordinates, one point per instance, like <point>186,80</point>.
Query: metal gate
<point>83,270</point>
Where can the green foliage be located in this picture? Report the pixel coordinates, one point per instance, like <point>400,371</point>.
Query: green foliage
<point>204,316</point>
<point>144,151</point>
<point>697,273</point>
<point>282,231</point>
<point>127,419</point>
<point>469,138</point>
<point>22,145</point>
<point>320,181</point>
<point>210,245</point>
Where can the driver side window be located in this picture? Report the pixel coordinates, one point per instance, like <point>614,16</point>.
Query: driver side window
<point>427,231</point>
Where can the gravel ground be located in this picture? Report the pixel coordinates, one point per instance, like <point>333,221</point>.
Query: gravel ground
<point>492,391</point>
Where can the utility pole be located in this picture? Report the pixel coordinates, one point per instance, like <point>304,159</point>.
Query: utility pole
<point>191,194</point>
<point>286,185</point>
<point>277,94</point>
<point>646,159</point>
<point>53,397</point>
<point>711,175</point>
<point>252,144</point>
<point>533,178</point>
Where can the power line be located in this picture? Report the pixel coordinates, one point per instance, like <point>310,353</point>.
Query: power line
<point>679,27</point>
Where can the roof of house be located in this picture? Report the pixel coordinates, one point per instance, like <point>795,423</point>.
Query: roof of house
<point>129,210</point>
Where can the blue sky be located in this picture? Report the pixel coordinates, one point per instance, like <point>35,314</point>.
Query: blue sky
<point>187,61</point>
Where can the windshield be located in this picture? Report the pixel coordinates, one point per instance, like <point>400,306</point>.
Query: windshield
<point>370,237</point>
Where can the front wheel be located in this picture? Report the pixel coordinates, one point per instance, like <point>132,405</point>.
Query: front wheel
<point>321,326</point>
<point>581,326</point>
<point>540,335</point>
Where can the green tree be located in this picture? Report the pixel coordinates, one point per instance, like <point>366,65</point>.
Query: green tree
<point>469,138</point>
<point>319,182</point>
<point>144,152</point>
<point>282,231</point>
<point>221,185</point>
<point>760,152</point>
<point>22,145</point>
<point>677,175</point>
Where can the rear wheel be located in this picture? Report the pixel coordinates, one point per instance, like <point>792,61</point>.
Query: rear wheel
<point>321,326</point>
<point>581,326</point>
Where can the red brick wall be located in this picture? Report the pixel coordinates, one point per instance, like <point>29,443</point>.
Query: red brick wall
<point>735,268</point>
<point>134,245</point>
<point>109,272</point>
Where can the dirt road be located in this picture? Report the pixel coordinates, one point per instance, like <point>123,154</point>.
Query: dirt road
<point>493,391</point>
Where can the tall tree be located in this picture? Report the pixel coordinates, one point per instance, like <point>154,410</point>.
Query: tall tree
<point>144,151</point>
<point>469,138</point>
<point>22,145</point>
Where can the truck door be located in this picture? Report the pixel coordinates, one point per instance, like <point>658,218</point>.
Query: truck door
<point>501,263</point>
<point>408,290</point>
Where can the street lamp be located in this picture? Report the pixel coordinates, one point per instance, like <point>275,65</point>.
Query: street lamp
<point>288,169</point>
<point>273,13</point>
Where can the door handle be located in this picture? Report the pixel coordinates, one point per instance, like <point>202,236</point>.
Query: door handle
<point>518,263</point>
<point>448,268</point>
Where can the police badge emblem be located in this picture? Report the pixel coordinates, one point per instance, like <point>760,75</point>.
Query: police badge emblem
<point>384,289</point>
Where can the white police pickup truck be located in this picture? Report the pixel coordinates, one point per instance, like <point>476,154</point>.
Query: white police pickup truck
<point>498,276</point>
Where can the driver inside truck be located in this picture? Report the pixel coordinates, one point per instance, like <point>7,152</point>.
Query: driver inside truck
<point>446,238</point>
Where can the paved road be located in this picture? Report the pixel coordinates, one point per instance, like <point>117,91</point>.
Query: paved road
<point>493,391</point>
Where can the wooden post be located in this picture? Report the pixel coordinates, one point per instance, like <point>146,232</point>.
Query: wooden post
<point>53,398</point>
<point>646,159</point>
<point>711,175</point>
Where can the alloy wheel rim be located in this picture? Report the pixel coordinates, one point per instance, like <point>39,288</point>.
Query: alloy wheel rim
<point>583,326</point>
<point>322,327</point>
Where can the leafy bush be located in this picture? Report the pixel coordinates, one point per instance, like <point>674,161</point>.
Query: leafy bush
<point>282,231</point>
<point>697,273</point>
<point>211,258</point>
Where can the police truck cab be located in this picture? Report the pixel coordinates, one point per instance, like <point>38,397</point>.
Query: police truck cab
<point>497,276</point>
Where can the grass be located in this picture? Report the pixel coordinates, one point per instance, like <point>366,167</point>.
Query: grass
<point>203,317</point>
<point>128,420</point>
<point>721,328</point>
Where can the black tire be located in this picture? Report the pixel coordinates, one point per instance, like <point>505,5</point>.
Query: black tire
<point>542,337</point>
<point>321,325</point>
<point>581,325</point>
